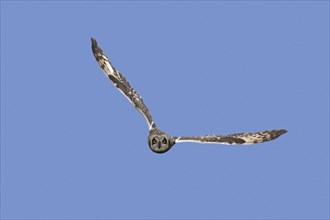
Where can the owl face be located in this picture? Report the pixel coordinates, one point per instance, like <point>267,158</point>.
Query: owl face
<point>159,143</point>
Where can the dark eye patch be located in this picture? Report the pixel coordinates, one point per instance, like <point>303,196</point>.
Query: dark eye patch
<point>154,141</point>
<point>164,141</point>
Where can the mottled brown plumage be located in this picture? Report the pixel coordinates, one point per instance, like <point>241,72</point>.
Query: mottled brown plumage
<point>159,141</point>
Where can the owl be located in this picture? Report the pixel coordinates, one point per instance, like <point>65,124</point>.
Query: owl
<point>158,140</point>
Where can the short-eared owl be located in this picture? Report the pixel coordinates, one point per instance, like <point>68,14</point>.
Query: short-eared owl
<point>159,141</point>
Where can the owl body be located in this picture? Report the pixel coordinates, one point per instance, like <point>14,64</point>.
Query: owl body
<point>158,140</point>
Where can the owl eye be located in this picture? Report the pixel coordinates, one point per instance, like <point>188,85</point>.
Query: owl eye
<point>164,141</point>
<point>154,141</point>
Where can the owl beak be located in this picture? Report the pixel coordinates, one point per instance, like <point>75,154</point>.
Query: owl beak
<point>159,145</point>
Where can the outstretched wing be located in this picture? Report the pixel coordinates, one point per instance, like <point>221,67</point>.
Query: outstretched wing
<point>121,83</point>
<point>239,138</point>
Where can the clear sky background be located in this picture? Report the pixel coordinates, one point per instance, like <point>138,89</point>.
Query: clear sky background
<point>73,147</point>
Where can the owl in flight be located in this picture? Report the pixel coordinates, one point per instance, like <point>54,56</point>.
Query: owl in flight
<point>158,140</point>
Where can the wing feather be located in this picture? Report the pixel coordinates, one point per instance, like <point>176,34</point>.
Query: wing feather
<point>239,138</point>
<point>121,83</point>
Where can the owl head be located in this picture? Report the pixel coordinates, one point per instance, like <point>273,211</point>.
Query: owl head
<point>160,143</point>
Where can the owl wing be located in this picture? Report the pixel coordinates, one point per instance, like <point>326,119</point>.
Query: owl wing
<point>121,83</point>
<point>239,138</point>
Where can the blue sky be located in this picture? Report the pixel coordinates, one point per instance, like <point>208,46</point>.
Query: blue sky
<point>73,147</point>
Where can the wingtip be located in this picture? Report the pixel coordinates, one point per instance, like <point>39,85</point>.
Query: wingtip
<point>283,131</point>
<point>279,132</point>
<point>94,43</point>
